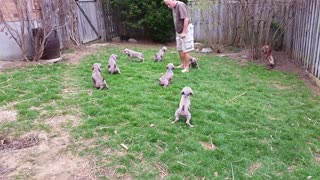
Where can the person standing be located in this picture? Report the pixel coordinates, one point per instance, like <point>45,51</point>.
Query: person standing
<point>184,31</point>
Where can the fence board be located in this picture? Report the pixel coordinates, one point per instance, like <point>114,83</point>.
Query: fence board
<point>219,20</point>
<point>317,44</point>
<point>87,21</point>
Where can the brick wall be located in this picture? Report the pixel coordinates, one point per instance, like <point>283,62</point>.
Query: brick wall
<point>10,12</point>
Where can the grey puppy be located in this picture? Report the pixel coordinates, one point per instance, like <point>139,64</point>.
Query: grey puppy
<point>184,106</point>
<point>98,81</point>
<point>160,54</point>
<point>193,63</point>
<point>134,54</point>
<point>166,78</point>
<point>112,64</point>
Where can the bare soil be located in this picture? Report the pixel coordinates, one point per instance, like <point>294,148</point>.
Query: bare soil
<point>283,63</point>
<point>41,155</point>
<point>254,167</point>
<point>8,115</point>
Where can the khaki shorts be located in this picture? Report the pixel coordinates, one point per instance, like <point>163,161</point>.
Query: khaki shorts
<point>185,44</point>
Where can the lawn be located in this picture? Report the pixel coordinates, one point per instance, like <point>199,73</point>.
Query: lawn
<point>250,122</point>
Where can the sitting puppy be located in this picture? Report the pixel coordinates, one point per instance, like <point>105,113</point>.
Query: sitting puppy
<point>184,106</point>
<point>166,78</point>
<point>193,63</point>
<point>267,52</point>
<point>160,54</point>
<point>98,80</point>
<point>134,54</point>
<point>112,65</point>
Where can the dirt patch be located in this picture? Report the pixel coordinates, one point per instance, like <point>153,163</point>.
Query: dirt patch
<point>57,122</point>
<point>80,52</point>
<point>291,168</point>
<point>317,158</point>
<point>24,142</point>
<point>281,87</point>
<point>8,116</point>
<point>69,58</point>
<point>208,146</point>
<point>283,63</point>
<point>287,64</point>
<point>253,168</point>
<point>43,156</point>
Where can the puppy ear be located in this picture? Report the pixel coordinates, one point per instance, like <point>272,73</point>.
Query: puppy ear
<point>191,92</point>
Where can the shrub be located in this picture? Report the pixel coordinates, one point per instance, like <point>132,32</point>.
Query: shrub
<point>154,17</point>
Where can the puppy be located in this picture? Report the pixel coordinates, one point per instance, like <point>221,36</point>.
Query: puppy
<point>98,80</point>
<point>166,78</point>
<point>134,54</point>
<point>112,65</point>
<point>267,52</point>
<point>160,54</point>
<point>193,63</point>
<point>184,106</point>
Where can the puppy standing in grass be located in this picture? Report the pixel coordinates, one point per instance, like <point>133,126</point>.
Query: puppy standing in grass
<point>193,63</point>
<point>112,64</point>
<point>166,79</point>
<point>160,54</point>
<point>134,54</point>
<point>184,106</point>
<point>98,80</point>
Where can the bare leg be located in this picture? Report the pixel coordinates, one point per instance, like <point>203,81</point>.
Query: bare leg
<point>181,54</point>
<point>186,62</point>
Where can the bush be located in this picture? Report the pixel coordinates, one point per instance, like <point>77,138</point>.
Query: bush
<point>154,17</point>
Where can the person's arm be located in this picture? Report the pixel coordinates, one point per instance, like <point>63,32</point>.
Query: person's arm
<point>185,26</point>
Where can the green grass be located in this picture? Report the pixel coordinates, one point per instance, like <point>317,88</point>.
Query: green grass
<point>253,116</point>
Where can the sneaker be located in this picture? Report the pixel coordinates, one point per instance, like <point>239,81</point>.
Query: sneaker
<point>180,66</point>
<point>185,70</point>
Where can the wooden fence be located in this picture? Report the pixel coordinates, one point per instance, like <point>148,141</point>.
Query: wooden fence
<point>290,25</point>
<point>304,41</point>
<point>78,22</point>
<point>235,21</point>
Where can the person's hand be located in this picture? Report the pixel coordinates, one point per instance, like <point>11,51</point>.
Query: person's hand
<point>183,35</point>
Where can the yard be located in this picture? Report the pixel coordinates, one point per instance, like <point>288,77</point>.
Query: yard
<point>250,122</point>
